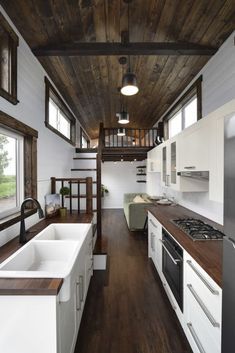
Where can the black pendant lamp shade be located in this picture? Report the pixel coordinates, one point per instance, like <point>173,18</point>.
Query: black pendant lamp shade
<point>129,84</point>
<point>121,132</point>
<point>123,117</point>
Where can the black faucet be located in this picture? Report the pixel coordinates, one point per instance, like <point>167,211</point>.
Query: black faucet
<point>22,238</point>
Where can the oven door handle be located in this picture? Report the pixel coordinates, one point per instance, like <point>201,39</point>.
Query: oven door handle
<point>175,261</point>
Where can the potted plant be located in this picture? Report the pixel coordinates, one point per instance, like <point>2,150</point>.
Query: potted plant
<point>104,190</point>
<point>64,191</point>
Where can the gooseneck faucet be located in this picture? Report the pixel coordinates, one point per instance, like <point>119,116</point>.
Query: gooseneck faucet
<point>22,238</point>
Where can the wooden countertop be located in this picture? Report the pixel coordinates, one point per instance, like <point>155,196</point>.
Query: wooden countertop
<point>35,286</point>
<point>208,254</point>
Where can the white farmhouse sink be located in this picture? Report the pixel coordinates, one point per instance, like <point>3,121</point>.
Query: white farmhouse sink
<point>61,231</point>
<point>51,254</point>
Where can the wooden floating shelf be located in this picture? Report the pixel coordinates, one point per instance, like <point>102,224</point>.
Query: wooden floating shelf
<point>141,181</point>
<point>141,174</point>
<point>141,166</point>
<point>86,150</point>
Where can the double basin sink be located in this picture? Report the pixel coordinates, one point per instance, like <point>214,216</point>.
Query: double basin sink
<point>50,254</point>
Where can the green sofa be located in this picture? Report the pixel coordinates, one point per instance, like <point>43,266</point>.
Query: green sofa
<point>135,213</point>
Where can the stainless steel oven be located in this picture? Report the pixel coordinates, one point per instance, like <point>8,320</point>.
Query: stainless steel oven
<point>172,266</point>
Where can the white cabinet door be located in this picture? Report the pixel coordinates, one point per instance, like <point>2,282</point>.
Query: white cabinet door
<point>170,157</point>
<point>154,160</point>
<point>155,248</point>
<point>67,322</point>
<point>194,147</point>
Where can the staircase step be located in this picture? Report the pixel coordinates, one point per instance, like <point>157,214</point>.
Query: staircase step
<point>86,150</point>
<point>83,169</point>
<point>82,196</point>
<point>84,158</point>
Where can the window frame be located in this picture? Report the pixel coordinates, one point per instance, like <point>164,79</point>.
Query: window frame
<point>30,164</point>
<point>13,44</point>
<point>19,170</point>
<point>195,90</point>
<point>58,101</point>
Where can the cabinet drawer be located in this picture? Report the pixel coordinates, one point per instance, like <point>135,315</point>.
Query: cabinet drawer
<point>154,224</point>
<point>202,334</point>
<point>206,289</point>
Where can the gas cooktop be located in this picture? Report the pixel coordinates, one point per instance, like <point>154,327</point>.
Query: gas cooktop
<point>197,229</point>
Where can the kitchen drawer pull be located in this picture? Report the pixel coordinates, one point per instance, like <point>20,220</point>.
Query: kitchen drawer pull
<point>175,261</point>
<point>203,307</point>
<point>231,241</point>
<point>81,288</point>
<point>211,289</point>
<point>169,297</point>
<point>78,308</point>
<point>196,339</point>
<point>190,167</point>
<point>152,241</point>
<point>153,223</point>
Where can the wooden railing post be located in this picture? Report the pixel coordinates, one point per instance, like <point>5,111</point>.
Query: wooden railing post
<point>89,195</point>
<point>98,185</point>
<point>53,188</point>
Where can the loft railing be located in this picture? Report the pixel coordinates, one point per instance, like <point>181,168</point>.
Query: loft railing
<point>57,183</point>
<point>134,138</point>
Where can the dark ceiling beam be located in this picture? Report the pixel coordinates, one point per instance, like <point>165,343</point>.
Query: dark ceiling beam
<point>99,49</point>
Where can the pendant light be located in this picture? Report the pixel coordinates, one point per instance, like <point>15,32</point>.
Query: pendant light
<point>121,132</point>
<point>129,81</point>
<point>123,116</point>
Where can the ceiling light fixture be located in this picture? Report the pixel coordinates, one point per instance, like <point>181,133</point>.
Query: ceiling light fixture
<point>129,81</point>
<point>123,117</point>
<point>121,132</point>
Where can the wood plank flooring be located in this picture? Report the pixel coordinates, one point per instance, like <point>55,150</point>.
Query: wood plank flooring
<point>127,310</point>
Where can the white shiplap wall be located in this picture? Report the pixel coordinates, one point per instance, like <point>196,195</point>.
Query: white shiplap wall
<point>218,88</point>
<point>54,154</point>
<point>120,178</point>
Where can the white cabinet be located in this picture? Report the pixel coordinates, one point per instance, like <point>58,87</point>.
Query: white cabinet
<point>170,156</point>
<point>154,244</point>
<point>154,160</point>
<point>194,147</point>
<point>203,308</point>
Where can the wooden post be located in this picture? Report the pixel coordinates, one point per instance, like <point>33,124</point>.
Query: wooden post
<point>98,185</point>
<point>53,191</point>
<point>89,195</point>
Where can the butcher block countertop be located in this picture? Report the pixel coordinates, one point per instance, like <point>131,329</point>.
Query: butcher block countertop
<point>208,253</point>
<point>35,286</point>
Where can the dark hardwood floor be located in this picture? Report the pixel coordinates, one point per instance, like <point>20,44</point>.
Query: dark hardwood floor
<point>127,310</point>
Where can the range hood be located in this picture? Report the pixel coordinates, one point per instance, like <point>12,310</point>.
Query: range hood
<point>203,175</point>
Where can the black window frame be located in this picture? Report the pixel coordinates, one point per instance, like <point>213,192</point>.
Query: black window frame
<point>13,43</point>
<point>195,90</point>
<point>85,136</point>
<point>51,92</point>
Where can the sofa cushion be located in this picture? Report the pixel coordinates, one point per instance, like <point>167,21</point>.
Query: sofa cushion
<point>138,199</point>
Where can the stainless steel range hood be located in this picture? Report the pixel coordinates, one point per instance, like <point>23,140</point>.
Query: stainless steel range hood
<point>203,175</point>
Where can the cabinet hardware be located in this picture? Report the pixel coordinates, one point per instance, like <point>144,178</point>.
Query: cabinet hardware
<point>152,241</point>
<point>169,296</point>
<point>175,261</point>
<point>231,241</point>
<point>153,223</point>
<point>190,167</point>
<point>78,307</point>
<point>211,289</point>
<point>81,288</point>
<point>203,307</point>
<point>196,339</point>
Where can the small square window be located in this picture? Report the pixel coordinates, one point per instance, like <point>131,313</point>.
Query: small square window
<point>58,117</point>
<point>190,113</point>
<point>175,124</point>
<point>8,63</point>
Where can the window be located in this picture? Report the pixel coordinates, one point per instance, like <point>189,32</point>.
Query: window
<point>84,139</point>
<point>8,63</point>
<point>186,111</point>
<point>11,172</point>
<point>18,168</point>
<point>58,117</point>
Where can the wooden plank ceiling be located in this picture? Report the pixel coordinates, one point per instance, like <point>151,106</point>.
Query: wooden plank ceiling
<point>89,83</point>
